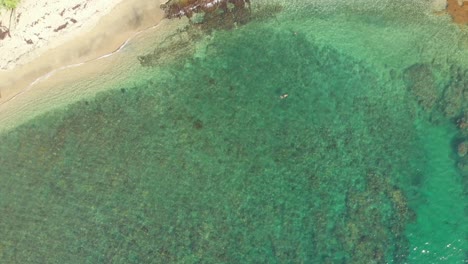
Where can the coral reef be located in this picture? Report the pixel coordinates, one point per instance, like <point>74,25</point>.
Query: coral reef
<point>204,163</point>
<point>421,83</point>
<point>455,96</point>
<point>442,91</point>
<point>462,145</point>
<point>449,97</point>
<point>462,148</point>
<point>367,226</point>
<point>462,123</point>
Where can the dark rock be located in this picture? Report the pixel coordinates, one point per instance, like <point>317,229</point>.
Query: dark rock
<point>61,27</point>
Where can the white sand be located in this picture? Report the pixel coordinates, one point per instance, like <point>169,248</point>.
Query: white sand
<point>100,32</point>
<point>45,25</point>
<point>101,29</point>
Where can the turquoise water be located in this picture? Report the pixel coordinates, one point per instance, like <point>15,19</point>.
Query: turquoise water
<point>206,160</point>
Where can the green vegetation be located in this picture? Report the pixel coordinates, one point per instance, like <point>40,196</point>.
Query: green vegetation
<point>9,4</point>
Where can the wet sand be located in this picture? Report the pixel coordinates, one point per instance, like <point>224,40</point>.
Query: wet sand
<point>74,70</point>
<point>108,35</point>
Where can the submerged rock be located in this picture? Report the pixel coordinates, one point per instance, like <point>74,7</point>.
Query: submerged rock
<point>455,97</point>
<point>462,124</point>
<point>421,83</point>
<point>449,97</point>
<point>462,148</point>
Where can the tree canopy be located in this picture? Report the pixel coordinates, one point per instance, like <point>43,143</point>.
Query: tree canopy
<point>9,4</point>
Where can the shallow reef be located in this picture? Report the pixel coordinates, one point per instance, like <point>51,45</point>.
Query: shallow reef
<point>249,139</point>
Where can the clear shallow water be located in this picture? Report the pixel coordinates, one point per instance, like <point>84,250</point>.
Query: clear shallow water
<point>201,161</point>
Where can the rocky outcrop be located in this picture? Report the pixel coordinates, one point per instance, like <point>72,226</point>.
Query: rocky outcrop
<point>458,9</point>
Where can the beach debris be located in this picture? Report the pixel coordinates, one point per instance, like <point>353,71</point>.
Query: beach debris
<point>4,31</point>
<point>61,27</point>
<point>75,7</point>
<point>180,8</point>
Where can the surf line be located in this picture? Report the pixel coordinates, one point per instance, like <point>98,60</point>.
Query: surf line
<point>51,73</point>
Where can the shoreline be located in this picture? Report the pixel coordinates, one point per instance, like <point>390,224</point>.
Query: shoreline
<point>81,81</point>
<point>50,74</point>
<point>109,34</point>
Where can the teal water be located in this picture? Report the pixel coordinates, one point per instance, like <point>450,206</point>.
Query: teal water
<point>204,160</point>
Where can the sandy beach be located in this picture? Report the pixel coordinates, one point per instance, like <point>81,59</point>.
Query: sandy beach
<point>106,26</point>
<point>101,32</point>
